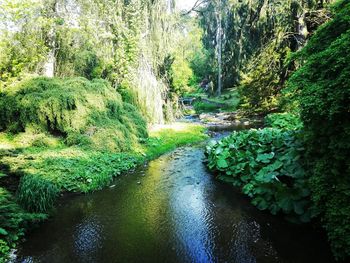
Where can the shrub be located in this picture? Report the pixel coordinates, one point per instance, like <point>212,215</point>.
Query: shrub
<point>267,165</point>
<point>263,77</point>
<point>77,109</point>
<point>76,138</point>
<point>284,121</point>
<point>36,194</point>
<point>323,91</point>
<point>181,74</point>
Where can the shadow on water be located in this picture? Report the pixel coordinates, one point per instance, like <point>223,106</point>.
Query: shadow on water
<point>170,211</point>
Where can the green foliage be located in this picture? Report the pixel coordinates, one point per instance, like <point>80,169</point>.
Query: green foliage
<point>201,106</point>
<point>91,39</point>
<point>36,194</point>
<point>4,251</point>
<point>85,173</point>
<point>85,112</point>
<point>284,121</point>
<point>322,88</point>
<point>200,64</point>
<point>257,38</point>
<point>181,74</point>
<point>267,165</point>
<point>223,103</point>
<point>263,77</point>
<point>21,49</point>
<point>13,221</point>
<point>169,138</point>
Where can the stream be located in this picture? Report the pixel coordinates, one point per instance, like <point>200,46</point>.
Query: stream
<point>170,210</point>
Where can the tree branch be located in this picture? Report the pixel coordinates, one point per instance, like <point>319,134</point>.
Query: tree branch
<point>197,4</point>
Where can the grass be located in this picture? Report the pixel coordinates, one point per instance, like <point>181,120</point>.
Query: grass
<point>167,137</point>
<point>82,169</point>
<point>228,101</point>
<point>52,167</point>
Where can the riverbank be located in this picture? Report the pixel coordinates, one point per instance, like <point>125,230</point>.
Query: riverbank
<point>170,210</point>
<point>54,168</point>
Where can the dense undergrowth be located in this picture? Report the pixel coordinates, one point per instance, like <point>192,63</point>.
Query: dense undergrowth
<point>267,165</point>
<point>322,88</point>
<point>69,135</point>
<point>301,165</point>
<point>85,112</point>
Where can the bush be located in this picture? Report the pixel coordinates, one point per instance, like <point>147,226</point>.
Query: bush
<point>76,138</point>
<point>93,171</point>
<point>284,121</point>
<point>82,111</point>
<point>267,165</point>
<point>36,194</point>
<point>181,75</point>
<point>323,91</point>
<point>263,78</point>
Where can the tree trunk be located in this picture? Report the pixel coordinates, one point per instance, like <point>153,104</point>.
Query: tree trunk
<point>219,48</point>
<point>49,66</point>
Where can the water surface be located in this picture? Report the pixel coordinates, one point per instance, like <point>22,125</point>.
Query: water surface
<point>171,210</point>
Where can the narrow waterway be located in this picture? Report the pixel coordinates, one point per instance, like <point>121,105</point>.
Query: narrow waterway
<point>171,210</point>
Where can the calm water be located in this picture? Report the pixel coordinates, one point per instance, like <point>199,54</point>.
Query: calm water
<point>170,211</point>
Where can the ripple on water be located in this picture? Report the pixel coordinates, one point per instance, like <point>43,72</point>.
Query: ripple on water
<point>178,213</point>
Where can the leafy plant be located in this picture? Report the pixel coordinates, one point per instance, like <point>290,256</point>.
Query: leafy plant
<point>267,165</point>
<point>284,121</point>
<point>36,194</point>
<point>13,222</point>
<point>322,88</point>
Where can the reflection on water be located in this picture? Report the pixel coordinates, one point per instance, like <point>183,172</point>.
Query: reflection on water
<point>87,238</point>
<point>178,213</point>
<point>188,201</point>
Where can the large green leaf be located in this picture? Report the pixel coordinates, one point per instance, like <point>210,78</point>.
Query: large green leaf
<point>222,163</point>
<point>265,157</point>
<point>3,232</point>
